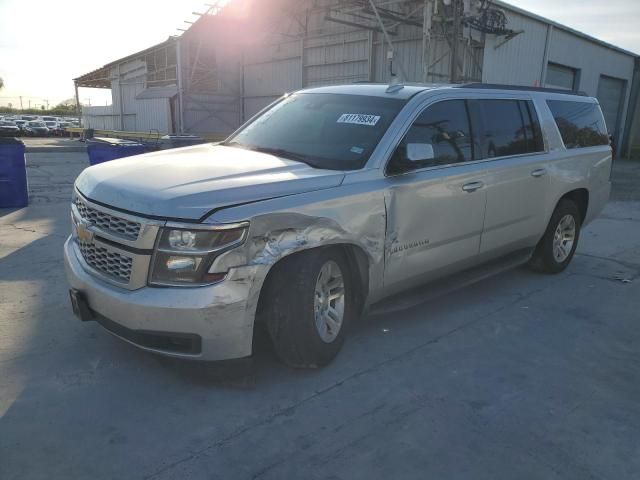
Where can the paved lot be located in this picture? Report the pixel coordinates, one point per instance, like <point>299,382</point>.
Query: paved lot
<point>521,376</point>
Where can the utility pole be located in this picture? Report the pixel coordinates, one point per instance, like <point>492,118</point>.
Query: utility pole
<point>20,102</point>
<point>47,102</point>
<point>391,52</point>
<point>426,39</point>
<point>29,103</point>
<point>455,32</point>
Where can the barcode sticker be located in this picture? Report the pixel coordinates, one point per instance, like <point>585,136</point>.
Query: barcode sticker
<point>359,119</point>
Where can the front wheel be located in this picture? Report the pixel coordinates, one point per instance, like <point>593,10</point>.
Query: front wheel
<point>309,306</point>
<point>558,245</point>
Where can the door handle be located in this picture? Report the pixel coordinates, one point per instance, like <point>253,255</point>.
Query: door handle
<point>472,187</point>
<point>539,172</point>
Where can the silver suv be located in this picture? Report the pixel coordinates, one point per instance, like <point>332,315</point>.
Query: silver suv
<point>325,203</point>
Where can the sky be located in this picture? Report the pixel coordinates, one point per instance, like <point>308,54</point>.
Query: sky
<point>44,44</point>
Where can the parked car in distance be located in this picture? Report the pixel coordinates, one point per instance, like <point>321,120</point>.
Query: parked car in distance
<point>327,202</point>
<point>9,129</point>
<point>20,124</point>
<point>36,128</point>
<point>60,130</point>
<point>28,118</point>
<point>52,126</point>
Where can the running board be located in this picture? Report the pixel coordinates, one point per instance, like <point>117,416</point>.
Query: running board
<point>443,286</point>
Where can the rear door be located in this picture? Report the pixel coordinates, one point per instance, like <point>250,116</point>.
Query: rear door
<point>435,208</point>
<point>512,146</point>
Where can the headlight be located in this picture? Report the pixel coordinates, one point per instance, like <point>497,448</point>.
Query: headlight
<point>184,255</point>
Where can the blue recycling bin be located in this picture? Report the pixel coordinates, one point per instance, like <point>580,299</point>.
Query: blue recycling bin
<point>14,191</point>
<point>102,150</point>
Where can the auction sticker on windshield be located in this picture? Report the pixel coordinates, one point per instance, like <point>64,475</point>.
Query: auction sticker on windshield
<point>359,119</point>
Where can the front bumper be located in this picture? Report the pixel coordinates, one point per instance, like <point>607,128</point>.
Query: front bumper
<point>221,315</point>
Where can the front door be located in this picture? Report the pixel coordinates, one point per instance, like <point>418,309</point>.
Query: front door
<point>435,207</point>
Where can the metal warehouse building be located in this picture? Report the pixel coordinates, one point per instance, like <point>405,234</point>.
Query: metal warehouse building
<point>236,59</point>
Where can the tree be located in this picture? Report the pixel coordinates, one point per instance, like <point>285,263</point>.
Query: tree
<point>67,107</point>
<point>1,83</point>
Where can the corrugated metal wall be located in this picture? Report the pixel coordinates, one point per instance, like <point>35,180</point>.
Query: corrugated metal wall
<point>211,83</point>
<point>100,117</point>
<point>593,61</point>
<point>518,61</point>
<point>310,50</point>
<point>270,71</point>
<point>521,60</point>
<point>336,58</point>
<point>128,112</point>
<point>331,53</point>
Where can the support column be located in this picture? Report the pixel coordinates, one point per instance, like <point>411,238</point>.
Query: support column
<point>179,73</point>
<point>426,39</point>
<point>545,57</point>
<point>78,112</point>
<point>455,34</point>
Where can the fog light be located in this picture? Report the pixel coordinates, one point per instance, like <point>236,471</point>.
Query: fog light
<point>182,263</point>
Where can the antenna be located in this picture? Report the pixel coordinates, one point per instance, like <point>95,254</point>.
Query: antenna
<point>393,88</point>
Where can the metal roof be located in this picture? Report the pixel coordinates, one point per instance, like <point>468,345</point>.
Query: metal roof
<point>101,77</point>
<point>560,26</point>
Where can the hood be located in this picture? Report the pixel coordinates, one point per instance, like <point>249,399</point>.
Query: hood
<point>187,183</point>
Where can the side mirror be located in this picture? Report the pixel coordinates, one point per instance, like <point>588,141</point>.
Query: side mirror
<point>419,152</point>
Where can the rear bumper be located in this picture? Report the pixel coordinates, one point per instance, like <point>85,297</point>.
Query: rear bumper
<point>214,322</point>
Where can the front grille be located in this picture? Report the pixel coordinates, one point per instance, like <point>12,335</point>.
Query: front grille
<point>107,222</point>
<point>109,263</point>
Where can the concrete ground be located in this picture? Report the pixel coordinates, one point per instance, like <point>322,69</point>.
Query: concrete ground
<point>522,376</point>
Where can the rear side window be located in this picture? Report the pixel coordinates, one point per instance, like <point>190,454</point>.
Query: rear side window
<point>508,127</point>
<point>446,127</point>
<point>581,124</point>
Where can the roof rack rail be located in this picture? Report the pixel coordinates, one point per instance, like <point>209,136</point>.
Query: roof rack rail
<point>496,86</point>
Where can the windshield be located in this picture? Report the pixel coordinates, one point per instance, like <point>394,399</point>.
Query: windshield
<point>329,131</point>
<point>36,124</point>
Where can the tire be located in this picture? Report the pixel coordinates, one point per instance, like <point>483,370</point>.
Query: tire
<point>290,308</point>
<point>547,258</point>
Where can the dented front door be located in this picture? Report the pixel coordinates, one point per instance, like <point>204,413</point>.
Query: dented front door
<point>434,222</point>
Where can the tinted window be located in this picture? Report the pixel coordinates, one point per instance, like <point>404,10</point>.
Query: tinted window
<point>580,123</point>
<point>445,126</point>
<point>325,130</point>
<point>508,127</point>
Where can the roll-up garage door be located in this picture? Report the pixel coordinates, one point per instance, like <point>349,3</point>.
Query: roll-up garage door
<point>611,96</point>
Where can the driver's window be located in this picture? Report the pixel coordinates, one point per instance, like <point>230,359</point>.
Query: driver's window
<point>446,127</point>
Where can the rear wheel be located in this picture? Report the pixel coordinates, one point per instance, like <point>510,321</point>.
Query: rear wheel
<point>558,245</point>
<point>309,306</point>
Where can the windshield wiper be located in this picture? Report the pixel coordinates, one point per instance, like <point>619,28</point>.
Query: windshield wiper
<point>233,144</point>
<point>278,152</point>
<point>281,152</point>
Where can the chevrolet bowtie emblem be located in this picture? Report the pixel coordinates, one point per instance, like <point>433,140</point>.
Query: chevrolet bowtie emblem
<point>84,234</point>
